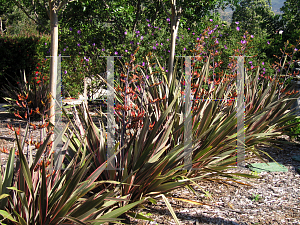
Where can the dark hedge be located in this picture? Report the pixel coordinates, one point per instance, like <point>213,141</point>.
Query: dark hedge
<point>18,54</point>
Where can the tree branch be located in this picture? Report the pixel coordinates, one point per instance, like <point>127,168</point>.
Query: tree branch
<point>43,6</point>
<point>63,3</point>
<point>156,11</point>
<point>168,14</point>
<point>107,6</point>
<point>137,14</point>
<point>47,10</point>
<point>37,21</point>
<point>116,21</point>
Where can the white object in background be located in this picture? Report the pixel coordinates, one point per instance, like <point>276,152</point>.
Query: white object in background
<point>100,93</point>
<point>70,101</point>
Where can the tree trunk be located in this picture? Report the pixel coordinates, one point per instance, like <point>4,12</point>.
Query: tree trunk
<point>137,15</point>
<point>1,28</point>
<point>175,19</point>
<point>54,58</point>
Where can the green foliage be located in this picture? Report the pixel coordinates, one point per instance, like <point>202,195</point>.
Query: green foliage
<point>118,28</point>
<point>258,19</point>
<point>37,11</point>
<point>254,16</point>
<point>293,128</point>
<point>16,22</point>
<point>129,25</point>
<point>103,26</point>
<point>154,37</point>
<point>256,197</point>
<point>283,29</point>
<point>6,178</point>
<point>291,20</point>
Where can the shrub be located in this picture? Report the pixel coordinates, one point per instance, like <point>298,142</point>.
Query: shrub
<point>43,194</point>
<point>292,128</point>
<point>29,99</point>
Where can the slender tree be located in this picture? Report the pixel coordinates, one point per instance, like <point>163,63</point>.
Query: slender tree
<point>3,9</point>
<point>191,10</point>
<point>175,19</point>
<point>52,9</point>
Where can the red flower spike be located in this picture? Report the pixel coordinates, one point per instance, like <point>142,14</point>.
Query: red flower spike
<point>18,115</point>
<point>4,150</point>
<point>151,126</point>
<point>34,126</point>
<point>18,131</point>
<point>18,104</point>
<point>37,110</point>
<point>37,145</point>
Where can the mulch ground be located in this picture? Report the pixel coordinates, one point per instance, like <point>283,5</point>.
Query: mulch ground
<point>274,198</point>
